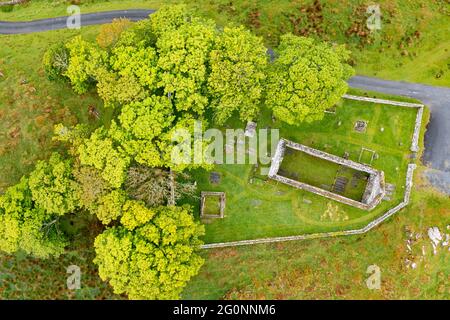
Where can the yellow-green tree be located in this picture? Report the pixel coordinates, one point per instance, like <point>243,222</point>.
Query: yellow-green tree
<point>90,186</point>
<point>169,18</point>
<point>130,76</point>
<point>56,61</point>
<point>84,60</point>
<point>110,206</point>
<point>306,78</point>
<point>140,128</point>
<point>183,64</point>
<point>30,210</point>
<point>53,187</point>
<point>110,33</point>
<point>100,151</point>
<point>238,65</point>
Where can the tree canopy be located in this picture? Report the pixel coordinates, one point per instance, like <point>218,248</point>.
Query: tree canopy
<point>155,186</point>
<point>159,77</point>
<point>110,33</point>
<point>141,127</point>
<point>30,210</point>
<point>238,65</point>
<point>56,61</point>
<point>52,186</point>
<point>84,60</point>
<point>183,62</point>
<point>100,151</point>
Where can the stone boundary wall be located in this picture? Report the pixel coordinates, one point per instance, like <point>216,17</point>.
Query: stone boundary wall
<point>371,225</point>
<point>321,192</point>
<point>372,188</point>
<point>415,140</point>
<point>277,158</point>
<point>222,200</point>
<point>12,2</point>
<point>330,157</point>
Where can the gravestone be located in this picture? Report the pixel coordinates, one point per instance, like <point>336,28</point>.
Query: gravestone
<point>214,177</point>
<point>360,126</point>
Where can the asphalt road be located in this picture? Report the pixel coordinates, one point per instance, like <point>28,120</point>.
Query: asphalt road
<point>61,22</point>
<point>437,138</point>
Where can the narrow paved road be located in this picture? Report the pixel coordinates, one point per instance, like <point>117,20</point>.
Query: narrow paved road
<point>437,138</point>
<point>61,22</point>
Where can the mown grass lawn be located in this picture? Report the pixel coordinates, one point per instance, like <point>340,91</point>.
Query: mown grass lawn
<point>323,174</point>
<point>212,205</point>
<point>258,207</point>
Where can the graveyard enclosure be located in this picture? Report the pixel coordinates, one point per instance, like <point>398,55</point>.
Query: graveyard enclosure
<point>260,207</point>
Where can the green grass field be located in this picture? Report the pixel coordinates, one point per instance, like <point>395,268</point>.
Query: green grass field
<point>336,268</point>
<point>212,205</point>
<point>30,104</point>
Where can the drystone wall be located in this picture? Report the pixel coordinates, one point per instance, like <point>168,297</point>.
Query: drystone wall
<point>222,200</point>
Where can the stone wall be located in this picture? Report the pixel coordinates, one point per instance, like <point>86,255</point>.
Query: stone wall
<point>222,200</point>
<point>417,125</point>
<point>375,189</point>
<point>277,158</point>
<point>320,192</point>
<point>383,101</point>
<point>330,157</point>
